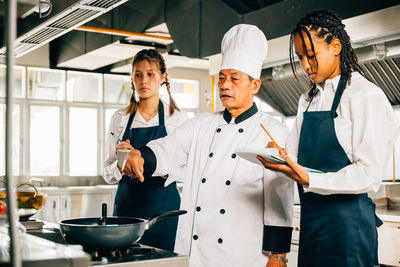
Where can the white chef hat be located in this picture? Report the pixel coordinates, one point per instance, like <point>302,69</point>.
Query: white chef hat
<point>244,47</point>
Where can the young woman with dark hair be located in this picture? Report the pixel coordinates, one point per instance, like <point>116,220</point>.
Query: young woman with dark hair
<point>346,128</point>
<point>144,119</point>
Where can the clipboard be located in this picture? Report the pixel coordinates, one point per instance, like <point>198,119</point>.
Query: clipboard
<point>269,154</point>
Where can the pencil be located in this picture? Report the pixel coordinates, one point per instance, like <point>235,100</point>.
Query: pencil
<point>271,137</point>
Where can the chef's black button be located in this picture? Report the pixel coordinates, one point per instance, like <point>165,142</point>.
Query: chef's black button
<point>222,211</point>
<point>195,237</point>
<point>211,154</point>
<point>198,208</point>
<point>203,180</point>
<point>233,155</point>
<point>218,130</point>
<point>240,130</point>
<point>220,240</point>
<point>228,182</point>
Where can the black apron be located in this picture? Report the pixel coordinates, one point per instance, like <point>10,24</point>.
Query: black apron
<point>136,199</point>
<point>340,229</point>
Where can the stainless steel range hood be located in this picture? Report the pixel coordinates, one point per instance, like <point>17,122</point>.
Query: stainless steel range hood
<point>65,16</point>
<point>283,91</point>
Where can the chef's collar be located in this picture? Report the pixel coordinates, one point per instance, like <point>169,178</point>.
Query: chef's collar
<point>330,83</point>
<point>242,117</point>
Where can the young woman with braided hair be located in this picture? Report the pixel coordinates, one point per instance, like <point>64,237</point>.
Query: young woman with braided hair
<point>345,127</point>
<point>143,120</point>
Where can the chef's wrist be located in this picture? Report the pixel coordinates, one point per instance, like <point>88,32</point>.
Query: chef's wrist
<point>134,152</point>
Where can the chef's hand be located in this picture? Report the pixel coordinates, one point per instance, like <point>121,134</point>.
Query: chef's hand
<point>134,165</point>
<point>283,152</point>
<point>275,262</point>
<point>291,169</point>
<point>124,145</point>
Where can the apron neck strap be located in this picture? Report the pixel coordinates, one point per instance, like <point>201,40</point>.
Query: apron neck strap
<point>161,120</point>
<point>309,103</point>
<point>338,95</point>
<point>336,100</point>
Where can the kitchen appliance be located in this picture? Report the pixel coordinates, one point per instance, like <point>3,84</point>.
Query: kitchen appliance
<point>136,255</point>
<point>109,232</point>
<point>29,201</point>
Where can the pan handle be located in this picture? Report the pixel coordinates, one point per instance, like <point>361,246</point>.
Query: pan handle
<point>154,219</point>
<point>103,218</point>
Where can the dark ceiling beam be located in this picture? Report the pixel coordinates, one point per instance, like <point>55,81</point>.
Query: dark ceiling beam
<point>197,26</point>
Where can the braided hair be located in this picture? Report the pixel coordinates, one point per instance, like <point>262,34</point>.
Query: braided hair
<point>151,55</point>
<point>327,25</point>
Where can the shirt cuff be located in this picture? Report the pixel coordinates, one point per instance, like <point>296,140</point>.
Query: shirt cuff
<point>111,173</point>
<point>277,238</point>
<point>314,182</point>
<point>150,160</point>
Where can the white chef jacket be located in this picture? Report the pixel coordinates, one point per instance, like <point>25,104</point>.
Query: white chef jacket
<point>366,128</point>
<point>230,201</point>
<point>116,131</point>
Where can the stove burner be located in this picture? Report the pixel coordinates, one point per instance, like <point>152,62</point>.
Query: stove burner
<point>133,253</point>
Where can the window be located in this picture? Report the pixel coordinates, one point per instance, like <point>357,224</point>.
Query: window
<point>83,87</point>
<point>60,118</point>
<point>185,93</point>
<point>62,138</point>
<point>45,84</point>
<point>117,89</point>
<point>19,84</point>
<point>15,138</point>
<point>83,141</point>
<point>44,140</point>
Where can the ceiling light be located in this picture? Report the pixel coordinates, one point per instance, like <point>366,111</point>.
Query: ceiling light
<point>278,72</point>
<point>380,51</point>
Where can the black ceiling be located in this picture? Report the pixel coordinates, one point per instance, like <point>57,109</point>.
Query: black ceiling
<point>197,26</point>
<point>245,6</point>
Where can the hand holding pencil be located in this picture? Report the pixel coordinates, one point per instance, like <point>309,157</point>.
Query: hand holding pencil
<point>291,168</point>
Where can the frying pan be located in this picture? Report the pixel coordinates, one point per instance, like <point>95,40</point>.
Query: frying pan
<point>109,232</point>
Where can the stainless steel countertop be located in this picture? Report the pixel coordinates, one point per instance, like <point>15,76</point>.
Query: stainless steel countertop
<point>391,214</point>
<point>388,208</point>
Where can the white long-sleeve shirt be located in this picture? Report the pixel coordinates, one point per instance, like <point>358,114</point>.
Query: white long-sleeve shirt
<point>366,128</point>
<point>116,131</point>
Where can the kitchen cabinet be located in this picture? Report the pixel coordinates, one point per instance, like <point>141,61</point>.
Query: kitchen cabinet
<point>292,255</point>
<point>389,243</point>
<point>73,202</point>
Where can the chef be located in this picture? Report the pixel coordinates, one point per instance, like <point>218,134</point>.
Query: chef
<point>239,213</point>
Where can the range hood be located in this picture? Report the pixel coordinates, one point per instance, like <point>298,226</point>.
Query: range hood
<point>65,16</point>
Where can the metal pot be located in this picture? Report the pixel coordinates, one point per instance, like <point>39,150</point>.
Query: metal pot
<point>109,232</point>
<point>29,202</point>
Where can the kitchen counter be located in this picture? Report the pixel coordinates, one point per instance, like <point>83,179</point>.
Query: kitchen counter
<point>390,214</point>
<point>388,208</point>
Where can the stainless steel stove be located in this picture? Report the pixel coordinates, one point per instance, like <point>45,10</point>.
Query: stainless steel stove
<point>136,255</point>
